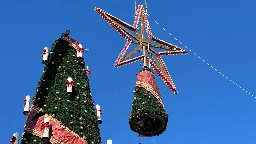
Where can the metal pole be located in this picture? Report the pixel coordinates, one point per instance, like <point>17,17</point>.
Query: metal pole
<point>142,39</point>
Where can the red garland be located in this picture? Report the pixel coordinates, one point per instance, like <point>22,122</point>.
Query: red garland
<point>13,140</point>
<point>58,131</point>
<point>45,125</point>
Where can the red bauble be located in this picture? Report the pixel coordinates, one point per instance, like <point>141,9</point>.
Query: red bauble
<point>69,68</point>
<point>56,99</point>
<point>81,123</point>
<point>88,125</point>
<point>92,102</point>
<point>46,97</point>
<point>137,90</point>
<point>76,105</point>
<point>58,76</point>
<point>145,94</point>
<point>58,60</point>
<point>135,105</point>
<point>159,105</point>
<point>76,89</point>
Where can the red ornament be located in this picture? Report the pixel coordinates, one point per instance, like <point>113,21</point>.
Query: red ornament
<point>58,76</point>
<point>58,60</point>
<point>159,105</point>
<point>26,142</point>
<point>46,97</point>
<point>97,133</point>
<point>88,125</point>
<point>130,114</point>
<point>56,99</point>
<point>92,102</point>
<point>76,89</point>
<point>137,90</point>
<point>135,105</point>
<point>145,94</point>
<point>76,105</point>
<point>69,68</point>
<point>90,134</point>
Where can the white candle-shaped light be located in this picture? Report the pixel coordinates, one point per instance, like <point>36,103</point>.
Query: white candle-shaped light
<point>26,105</point>
<point>99,113</point>
<point>70,84</point>
<point>109,141</point>
<point>15,138</point>
<point>46,127</point>
<point>79,50</point>
<point>45,55</point>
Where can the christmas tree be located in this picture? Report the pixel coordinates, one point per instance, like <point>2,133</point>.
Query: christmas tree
<point>62,109</point>
<point>148,116</point>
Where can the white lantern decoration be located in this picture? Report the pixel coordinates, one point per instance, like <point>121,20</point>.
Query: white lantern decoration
<point>26,105</point>
<point>99,113</point>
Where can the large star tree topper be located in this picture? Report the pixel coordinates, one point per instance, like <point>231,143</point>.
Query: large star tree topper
<point>149,53</point>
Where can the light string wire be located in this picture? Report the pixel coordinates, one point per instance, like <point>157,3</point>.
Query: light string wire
<point>230,80</point>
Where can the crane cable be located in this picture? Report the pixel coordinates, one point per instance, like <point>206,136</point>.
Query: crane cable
<point>203,60</point>
<point>146,4</point>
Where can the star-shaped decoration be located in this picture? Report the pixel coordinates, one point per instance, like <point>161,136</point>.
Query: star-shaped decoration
<point>150,54</point>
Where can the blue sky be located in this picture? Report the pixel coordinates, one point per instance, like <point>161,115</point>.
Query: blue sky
<point>208,108</point>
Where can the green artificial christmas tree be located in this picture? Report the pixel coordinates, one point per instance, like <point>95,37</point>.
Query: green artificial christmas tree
<point>62,110</point>
<point>148,116</point>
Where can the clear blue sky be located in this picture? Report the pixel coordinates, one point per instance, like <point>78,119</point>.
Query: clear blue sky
<point>208,108</point>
